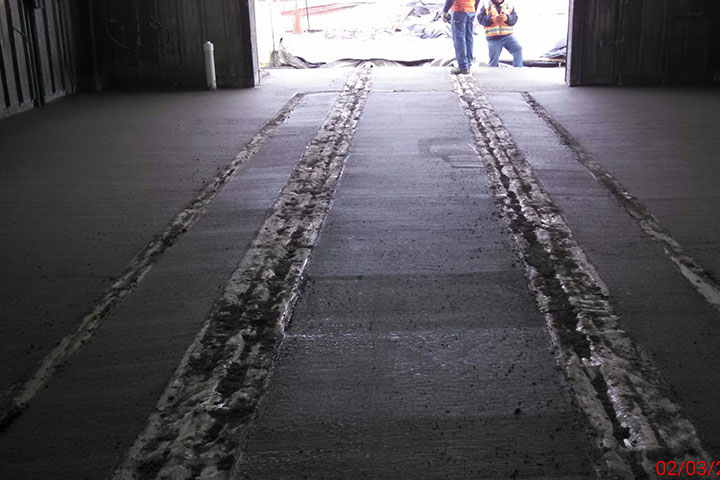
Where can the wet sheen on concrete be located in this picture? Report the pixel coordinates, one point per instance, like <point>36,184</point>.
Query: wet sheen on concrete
<point>662,144</point>
<point>415,339</point>
<point>99,402</point>
<point>674,325</point>
<point>87,181</point>
<point>415,350</point>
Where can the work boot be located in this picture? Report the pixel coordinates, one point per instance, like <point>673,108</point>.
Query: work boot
<point>460,71</point>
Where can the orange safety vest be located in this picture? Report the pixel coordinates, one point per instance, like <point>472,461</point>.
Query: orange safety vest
<point>498,28</point>
<point>463,6</point>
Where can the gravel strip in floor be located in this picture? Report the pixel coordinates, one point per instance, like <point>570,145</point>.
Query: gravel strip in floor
<point>19,397</point>
<point>202,417</point>
<point>613,382</point>
<point>698,276</point>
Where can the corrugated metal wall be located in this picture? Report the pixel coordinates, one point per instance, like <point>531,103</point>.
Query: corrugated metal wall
<point>159,42</point>
<point>623,42</point>
<point>36,64</point>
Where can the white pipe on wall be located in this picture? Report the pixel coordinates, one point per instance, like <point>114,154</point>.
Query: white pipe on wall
<point>209,49</point>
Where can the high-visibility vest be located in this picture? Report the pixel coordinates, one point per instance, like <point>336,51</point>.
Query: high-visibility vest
<point>498,28</point>
<point>463,6</point>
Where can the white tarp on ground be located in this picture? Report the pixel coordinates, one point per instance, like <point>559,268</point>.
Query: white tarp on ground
<point>402,31</point>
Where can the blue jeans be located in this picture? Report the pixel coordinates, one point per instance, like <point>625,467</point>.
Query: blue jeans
<point>462,31</point>
<point>495,45</point>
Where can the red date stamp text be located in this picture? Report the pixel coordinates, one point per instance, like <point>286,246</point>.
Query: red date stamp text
<point>689,468</point>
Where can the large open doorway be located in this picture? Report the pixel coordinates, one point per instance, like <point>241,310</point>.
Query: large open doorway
<point>327,33</point>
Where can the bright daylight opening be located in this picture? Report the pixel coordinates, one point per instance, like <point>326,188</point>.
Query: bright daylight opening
<point>325,33</point>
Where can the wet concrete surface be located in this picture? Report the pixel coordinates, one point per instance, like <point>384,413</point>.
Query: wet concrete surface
<point>98,403</point>
<point>415,348</point>
<point>662,145</point>
<point>660,309</point>
<point>88,181</point>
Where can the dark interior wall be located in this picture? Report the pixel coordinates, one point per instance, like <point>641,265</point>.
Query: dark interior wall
<point>38,52</point>
<point>159,42</point>
<point>50,48</point>
<point>715,39</point>
<point>83,36</point>
<point>624,42</point>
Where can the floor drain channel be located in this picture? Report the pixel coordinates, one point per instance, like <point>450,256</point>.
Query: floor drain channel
<point>202,417</point>
<point>613,382</point>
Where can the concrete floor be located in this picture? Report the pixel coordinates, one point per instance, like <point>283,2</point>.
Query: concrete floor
<point>415,349</point>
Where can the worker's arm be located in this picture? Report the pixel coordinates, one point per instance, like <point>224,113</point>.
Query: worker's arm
<point>512,18</point>
<point>448,5</point>
<point>483,18</point>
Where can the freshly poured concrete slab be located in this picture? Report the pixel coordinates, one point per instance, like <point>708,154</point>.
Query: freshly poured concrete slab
<point>415,349</point>
<point>662,144</point>
<point>86,182</point>
<point>92,410</point>
<point>669,320</point>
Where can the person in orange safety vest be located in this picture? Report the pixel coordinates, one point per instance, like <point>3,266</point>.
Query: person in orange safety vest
<point>463,17</point>
<point>499,17</point>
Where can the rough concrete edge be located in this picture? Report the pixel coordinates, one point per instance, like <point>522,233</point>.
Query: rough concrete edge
<point>17,398</point>
<point>203,415</point>
<point>635,423</point>
<point>691,269</point>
